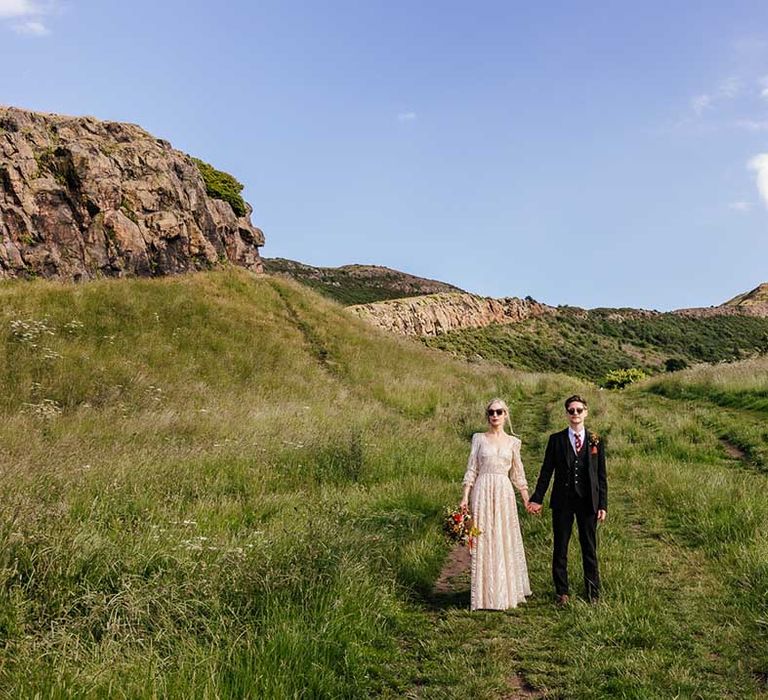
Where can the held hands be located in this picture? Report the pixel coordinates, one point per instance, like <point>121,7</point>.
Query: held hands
<point>533,508</point>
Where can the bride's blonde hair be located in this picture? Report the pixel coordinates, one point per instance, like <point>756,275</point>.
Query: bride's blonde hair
<point>506,411</point>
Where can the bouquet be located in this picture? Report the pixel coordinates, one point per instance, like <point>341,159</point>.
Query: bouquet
<point>459,527</point>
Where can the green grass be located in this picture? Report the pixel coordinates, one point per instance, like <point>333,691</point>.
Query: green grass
<point>223,486</point>
<point>746,386</point>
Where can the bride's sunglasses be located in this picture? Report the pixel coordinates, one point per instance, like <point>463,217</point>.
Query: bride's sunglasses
<point>574,411</point>
<point>495,411</point>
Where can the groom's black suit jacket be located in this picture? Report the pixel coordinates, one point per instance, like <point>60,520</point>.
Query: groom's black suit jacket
<point>558,459</point>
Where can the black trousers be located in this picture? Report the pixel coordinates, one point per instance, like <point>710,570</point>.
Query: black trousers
<point>562,525</point>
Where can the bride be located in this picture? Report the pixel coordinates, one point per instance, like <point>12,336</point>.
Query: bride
<point>499,570</point>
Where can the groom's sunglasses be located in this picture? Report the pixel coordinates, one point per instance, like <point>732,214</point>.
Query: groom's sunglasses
<point>495,411</point>
<point>574,411</point>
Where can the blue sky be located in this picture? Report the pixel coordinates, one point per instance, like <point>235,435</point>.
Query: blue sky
<point>593,154</point>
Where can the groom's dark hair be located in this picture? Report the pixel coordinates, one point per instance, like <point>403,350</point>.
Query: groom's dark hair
<point>573,398</point>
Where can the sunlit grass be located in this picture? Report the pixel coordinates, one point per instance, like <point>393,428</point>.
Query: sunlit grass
<point>223,486</point>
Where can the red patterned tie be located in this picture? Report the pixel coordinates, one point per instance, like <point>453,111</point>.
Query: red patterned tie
<point>577,442</point>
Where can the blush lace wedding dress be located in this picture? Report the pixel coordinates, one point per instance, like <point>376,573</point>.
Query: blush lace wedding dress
<point>499,570</point>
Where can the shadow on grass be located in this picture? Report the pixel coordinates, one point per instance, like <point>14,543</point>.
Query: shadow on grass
<point>448,600</point>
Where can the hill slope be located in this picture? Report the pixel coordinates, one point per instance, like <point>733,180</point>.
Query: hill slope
<point>222,485</point>
<point>524,334</point>
<point>590,344</point>
<point>357,284</point>
<point>756,297</point>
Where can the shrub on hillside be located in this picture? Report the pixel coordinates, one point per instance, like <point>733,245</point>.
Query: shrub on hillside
<point>619,378</point>
<point>221,185</point>
<point>675,364</point>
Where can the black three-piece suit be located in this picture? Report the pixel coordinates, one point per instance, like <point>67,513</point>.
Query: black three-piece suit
<point>580,490</point>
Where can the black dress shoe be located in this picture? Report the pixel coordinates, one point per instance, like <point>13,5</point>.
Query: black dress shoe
<point>562,600</point>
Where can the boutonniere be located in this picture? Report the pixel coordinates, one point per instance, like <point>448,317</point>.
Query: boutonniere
<point>594,441</point>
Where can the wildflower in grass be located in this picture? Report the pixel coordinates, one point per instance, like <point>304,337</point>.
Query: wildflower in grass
<point>46,409</point>
<point>29,330</point>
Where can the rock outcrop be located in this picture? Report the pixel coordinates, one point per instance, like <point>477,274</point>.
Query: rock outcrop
<point>439,313</point>
<point>760,310</point>
<point>83,198</point>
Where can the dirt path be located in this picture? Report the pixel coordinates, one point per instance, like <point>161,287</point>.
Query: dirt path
<point>733,451</point>
<point>454,580</point>
<point>454,576</point>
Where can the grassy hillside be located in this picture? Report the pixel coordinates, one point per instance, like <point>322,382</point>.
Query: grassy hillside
<point>356,284</point>
<point>591,344</point>
<point>215,485</point>
<point>221,486</point>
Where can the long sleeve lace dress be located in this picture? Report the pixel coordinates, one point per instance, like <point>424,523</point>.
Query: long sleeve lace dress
<point>499,569</point>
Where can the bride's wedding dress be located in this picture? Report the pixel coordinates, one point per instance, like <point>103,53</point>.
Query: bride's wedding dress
<point>499,570</point>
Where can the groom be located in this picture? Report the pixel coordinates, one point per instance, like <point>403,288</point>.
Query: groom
<point>577,457</point>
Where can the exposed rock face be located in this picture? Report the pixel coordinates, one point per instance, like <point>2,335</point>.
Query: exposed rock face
<point>81,198</point>
<point>736,310</point>
<point>438,313</point>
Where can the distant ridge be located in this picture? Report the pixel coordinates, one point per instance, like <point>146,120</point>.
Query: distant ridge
<point>357,284</point>
<point>752,303</point>
<point>759,295</point>
<point>524,334</point>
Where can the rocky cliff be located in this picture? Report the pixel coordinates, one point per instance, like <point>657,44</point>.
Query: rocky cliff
<point>81,198</point>
<point>439,313</point>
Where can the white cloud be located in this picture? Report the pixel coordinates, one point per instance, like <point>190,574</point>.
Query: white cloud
<point>31,28</point>
<point>729,89</point>
<point>760,165</point>
<point>740,206</point>
<point>28,15</point>
<point>406,117</point>
<point>700,103</point>
<point>16,8</point>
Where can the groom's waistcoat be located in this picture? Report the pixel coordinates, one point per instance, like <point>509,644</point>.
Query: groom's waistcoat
<point>578,478</point>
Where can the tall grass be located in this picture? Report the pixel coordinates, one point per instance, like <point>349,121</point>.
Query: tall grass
<point>222,486</point>
<point>216,485</point>
<point>744,385</point>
